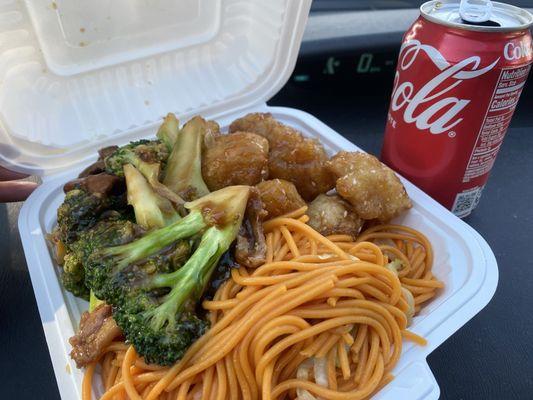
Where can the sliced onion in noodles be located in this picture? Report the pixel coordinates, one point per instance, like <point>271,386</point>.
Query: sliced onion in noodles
<point>320,369</point>
<point>325,256</point>
<point>303,374</point>
<point>387,242</point>
<point>394,266</point>
<point>410,313</point>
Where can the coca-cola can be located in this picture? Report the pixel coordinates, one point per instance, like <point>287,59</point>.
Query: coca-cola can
<point>456,87</point>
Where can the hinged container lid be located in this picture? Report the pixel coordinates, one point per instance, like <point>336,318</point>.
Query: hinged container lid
<point>76,75</point>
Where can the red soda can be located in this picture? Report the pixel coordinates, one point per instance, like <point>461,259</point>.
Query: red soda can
<point>456,87</point>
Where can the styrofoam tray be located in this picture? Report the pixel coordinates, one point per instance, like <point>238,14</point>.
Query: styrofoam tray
<point>463,261</point>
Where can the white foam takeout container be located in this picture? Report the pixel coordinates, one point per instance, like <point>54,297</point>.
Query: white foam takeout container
<point>77,75</point>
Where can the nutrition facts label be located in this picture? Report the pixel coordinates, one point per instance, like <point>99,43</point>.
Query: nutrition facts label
<point>497,119</point>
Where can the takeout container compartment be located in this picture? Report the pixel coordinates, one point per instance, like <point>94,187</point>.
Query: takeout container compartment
<point>60,102</point>
<point>463,261</point>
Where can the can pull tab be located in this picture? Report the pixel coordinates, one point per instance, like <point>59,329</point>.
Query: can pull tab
<point>475,11</point>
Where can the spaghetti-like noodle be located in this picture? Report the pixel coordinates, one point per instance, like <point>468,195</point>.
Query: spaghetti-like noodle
<point>324,317</point>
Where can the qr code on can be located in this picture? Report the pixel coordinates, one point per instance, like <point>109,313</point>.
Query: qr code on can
<point>466,201</point>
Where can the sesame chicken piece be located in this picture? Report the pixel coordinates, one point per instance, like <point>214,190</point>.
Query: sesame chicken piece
<point>331,215</point>
<point>279,197</point>
<point>237,159</point>
<point>292,156</point>
<point>372,188</point>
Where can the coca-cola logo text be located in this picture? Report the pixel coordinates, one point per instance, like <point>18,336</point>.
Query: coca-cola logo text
<point>512,51</point>
<point>429,105</point>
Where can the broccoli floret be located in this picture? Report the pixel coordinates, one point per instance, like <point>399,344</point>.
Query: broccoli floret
<point>156,309</point>
<point>72,278</point>
<point>183,173</point>
<point>151,209</point>
<point>149,157</point>
<point>81,210</point>
<point>169,130</point>
<point>146,155</point>
<point>109,232</point>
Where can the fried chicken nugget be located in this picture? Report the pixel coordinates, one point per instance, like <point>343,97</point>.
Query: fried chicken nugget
<point>261,123</point>
<point>292,156</point>
<point>371,187</point>
<point>237,159</point>
<point>279,197</point>
<point>331,215</point>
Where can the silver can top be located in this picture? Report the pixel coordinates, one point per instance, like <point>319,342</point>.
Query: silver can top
<point>504,17</point>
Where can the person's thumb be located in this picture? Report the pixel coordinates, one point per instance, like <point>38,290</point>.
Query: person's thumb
<point>16,190</point>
